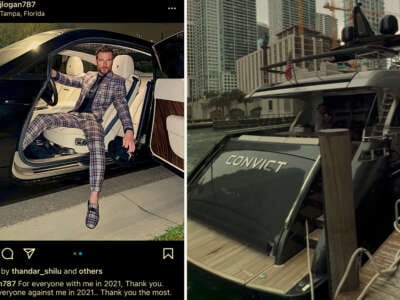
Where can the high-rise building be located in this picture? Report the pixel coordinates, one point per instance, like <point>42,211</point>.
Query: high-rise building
<point>284,14</point>
<point>238,36</point>
<point>193,53</point>
<point>223,30</point>
<point>374,10</point>
<point>262,35</point>
<point>325,24</point>
<point>290,44</point>
<point>210,45</point>
<point>249,73</point>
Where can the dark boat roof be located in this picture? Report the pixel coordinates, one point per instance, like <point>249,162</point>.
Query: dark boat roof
<point>359,81</point>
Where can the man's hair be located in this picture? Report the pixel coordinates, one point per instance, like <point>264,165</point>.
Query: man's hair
<point>105,48</point>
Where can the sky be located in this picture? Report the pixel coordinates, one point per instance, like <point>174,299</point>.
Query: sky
<point>392,6</point>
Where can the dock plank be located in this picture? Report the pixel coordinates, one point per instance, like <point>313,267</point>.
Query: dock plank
<point>233,260</point>
<point>383,287</point>
<point>222,255</point>
<point>282,278</point>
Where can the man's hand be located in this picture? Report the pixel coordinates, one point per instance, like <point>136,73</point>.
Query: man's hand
<point>129,141</point>
<point>53,73</point>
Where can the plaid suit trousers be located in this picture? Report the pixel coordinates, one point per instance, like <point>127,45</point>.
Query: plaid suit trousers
<point>94,135</point>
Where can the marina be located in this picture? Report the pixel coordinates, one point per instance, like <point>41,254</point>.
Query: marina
<point>278,215</point>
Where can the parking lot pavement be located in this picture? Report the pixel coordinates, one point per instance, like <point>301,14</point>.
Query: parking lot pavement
<point>142,205</point>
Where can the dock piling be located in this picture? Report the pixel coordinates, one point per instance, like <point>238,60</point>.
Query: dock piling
<point>335,147</point>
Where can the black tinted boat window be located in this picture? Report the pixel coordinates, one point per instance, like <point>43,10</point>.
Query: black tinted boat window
<point>351,111</point>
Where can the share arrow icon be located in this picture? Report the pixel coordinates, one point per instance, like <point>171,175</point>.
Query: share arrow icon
<point>29,252</point>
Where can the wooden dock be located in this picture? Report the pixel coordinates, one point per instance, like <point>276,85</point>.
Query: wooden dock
<point>383,288</point>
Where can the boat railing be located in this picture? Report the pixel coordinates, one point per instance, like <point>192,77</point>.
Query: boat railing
<point>344,60</point>
<point>262,120</point>
<point>374,60</point>
<point>372,133</point>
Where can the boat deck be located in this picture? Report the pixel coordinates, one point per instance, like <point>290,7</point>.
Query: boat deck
<point>238,262</point>
<point>382,288</point>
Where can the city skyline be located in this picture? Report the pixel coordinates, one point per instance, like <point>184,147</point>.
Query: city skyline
<point>391,7</point>
<point>283,14</point>
<point>219,32</point>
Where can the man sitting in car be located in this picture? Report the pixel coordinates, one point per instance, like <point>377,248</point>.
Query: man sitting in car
<point>99,90</point>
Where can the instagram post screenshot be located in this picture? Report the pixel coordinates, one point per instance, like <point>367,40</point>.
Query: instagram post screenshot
<point>293,149</point>
<point>92,149</point>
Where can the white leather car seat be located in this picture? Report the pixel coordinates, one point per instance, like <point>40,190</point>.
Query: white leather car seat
<point>74,66</point>
<point>136,107</point>
<point>74,137</point>
<point>123,66</point>
<point>67,95</point>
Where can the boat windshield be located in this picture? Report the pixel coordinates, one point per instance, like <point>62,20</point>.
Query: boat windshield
<point>314,112</point>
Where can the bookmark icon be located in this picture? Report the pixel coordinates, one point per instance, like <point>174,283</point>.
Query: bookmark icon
<point>29,252</point>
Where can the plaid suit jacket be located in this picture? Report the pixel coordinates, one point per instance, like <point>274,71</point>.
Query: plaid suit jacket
<point>111,90</point>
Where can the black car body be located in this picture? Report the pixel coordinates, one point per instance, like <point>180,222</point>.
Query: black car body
<point>154,80</point>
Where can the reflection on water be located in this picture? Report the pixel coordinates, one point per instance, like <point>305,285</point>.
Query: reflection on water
<point>199,143</point>
<point>200,287</point>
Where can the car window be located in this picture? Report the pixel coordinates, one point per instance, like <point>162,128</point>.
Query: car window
<point>39,68</point>
<point>87,66</point>
<point>143,63</point>
<point>170,56</point>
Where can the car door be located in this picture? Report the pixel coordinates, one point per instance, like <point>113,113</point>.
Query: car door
<point>20,82</point>
<point>60,151</point>
<point>167,131</point>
